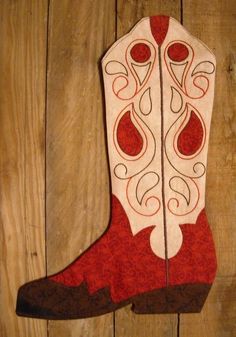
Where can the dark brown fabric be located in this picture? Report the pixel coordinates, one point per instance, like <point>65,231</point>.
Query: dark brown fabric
<point>176,299</point>
<point>50,300</point>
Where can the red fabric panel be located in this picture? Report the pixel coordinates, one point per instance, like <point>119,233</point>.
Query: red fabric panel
<point>196,260</point>
<point>159,27</point>
<point>118,260</point>
<point>127,265</point>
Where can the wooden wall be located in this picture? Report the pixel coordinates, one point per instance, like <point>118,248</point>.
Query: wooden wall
<point>54,186</point>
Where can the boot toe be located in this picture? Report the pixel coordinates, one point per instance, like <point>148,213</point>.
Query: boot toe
<point>48,299</point>
<point>37,299</point>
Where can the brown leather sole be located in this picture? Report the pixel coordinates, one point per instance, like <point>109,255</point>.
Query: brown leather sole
<point>50,300</point>
<point>174,299</point>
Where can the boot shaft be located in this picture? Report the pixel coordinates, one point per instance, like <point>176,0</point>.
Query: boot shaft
<point>159,88</point>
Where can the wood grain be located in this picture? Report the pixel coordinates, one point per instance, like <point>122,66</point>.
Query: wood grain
<point>77,173</point>
<point>214,23</point>
<point>126,323</point>
<point>130,11</point>
<point>22,112</point>
<point>77,183</point>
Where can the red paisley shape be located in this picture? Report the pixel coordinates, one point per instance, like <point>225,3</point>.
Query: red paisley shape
<point>128,137</point>
<point>159,27</point>
<point>140,52</point>
<point>178,52</point>
<point>191,137</point>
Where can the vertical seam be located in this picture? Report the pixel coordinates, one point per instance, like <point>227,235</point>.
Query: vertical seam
<point>182,21</point>
<point>45,141</point>
<point>114,324</point>
<point>162,167</point>
<point>178,325</point>
<point>116,20</point>
<point>116,34</point>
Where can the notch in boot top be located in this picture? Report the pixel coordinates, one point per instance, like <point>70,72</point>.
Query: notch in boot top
<point>157,252</point>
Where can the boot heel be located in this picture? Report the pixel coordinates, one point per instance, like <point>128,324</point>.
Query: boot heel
<point>173,299</point>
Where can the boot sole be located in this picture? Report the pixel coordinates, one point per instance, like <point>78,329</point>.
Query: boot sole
<point>186,298</point>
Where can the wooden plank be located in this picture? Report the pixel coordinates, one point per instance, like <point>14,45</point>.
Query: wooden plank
<point>129,12</point>
<point>23,26</point>
<point>214,23</point>
<point>77,171</point>
<point>127,323</point>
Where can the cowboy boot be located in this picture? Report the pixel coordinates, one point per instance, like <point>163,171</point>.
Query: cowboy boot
<point>157,253</point>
